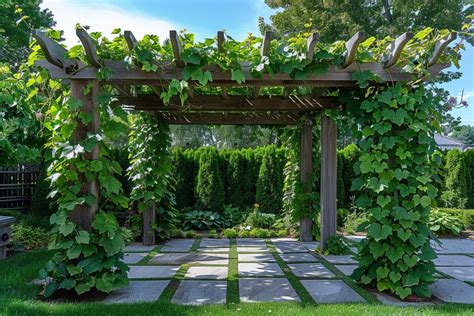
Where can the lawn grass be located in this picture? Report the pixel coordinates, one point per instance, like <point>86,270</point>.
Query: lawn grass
<point>17,297</point>
<point>233,295</point>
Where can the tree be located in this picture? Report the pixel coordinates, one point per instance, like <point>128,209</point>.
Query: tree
<point>455,185</point>
<point>270,182</point>
<point>210,195</point>
<point>465,134</point>
<point>17,19</point>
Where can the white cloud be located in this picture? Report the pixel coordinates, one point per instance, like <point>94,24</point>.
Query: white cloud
<point>103,18</point>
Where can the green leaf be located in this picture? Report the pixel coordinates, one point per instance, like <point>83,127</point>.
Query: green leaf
<point>66,228</point>
<point>382,272</point>
<point>238,75</point>
<point>383,200</point>
<point>362,77</point>
<point>379,232</point>
<point>68,284</point>
<point>83,237</point>
<point>50,289</point>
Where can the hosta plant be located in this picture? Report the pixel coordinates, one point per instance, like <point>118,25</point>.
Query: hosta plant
<point>445,223</point>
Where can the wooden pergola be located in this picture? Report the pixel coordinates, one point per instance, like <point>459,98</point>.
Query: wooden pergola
<point>223,108</point>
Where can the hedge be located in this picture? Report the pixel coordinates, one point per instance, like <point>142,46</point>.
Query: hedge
<point>210,195</point>
<point>467,216</point>
<point>270,182</point>
<point>455,189</point>
<point>469,155</point>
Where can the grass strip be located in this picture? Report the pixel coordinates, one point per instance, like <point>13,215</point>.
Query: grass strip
<point>233,295</point>
<point>305,297</point>
<point>195,246</point>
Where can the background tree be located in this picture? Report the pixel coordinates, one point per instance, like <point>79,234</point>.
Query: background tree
<point>210,194</point>
<point>465,134</point>
<point>455,185</point>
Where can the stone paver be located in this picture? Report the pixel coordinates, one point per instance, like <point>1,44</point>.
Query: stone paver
<point>298,257</point>
<point>463,246</point>
<point>137,247</point>
<point>206,242</point>
<point>256,257</point>
<point>331,291</point>
<point>213,249</point>
<point>310,270</point>
<point>340,259</point>
<point>252,249</point>
<point>175,249</point>
<point>391,300</point>
<point>150,272</point>
<point>206,273</point>
<point>289,247</point>
<point>347,269</point>
<point>454,260</point>
<point>192,292</point>
<point>199,258</point>
<point>460,273</point>
<point>453,291</point>
<point>283,239</point>
<point>311,246</point>
<point>138,291</point>
<point>260,269</point>
<point>133,257</point>
<point>267,290</point>
<point>180,242</point>
<point>250,242</point>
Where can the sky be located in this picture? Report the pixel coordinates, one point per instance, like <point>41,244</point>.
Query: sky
<point>204,18</point>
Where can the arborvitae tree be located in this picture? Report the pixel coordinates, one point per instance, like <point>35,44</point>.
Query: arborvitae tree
<point>184,175</point>
<point>236,184</point>
<point>469,155</point>
<point>251,176</point>
<point>350,155</point>
<point>209,184</point>
<point>455,186</point>
<point>270,182</point>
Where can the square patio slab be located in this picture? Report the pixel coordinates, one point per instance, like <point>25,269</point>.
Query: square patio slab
<point>460,273</point>
<point>391,300</point>
<point>252,249</point>
<point>133,257</point>
<point>196,258</point>
<point>175,248</point>
<point>259,269</point>
<point>298,257</point>
<point>453,291</point>
<point>454,260</point>
<point>283,239</point>
<point>340,259</point>
<point>267,290</point>
<point>311,246</point>
<point>200,292</point>
<point>150,272</point>
<point>213,249</point>
<point>180,242</point>
<point>450,246</point>
<point>250,242</point>
<point>206,273</point>
<point>256,257</point>
<point>138,291</point>
<point>137,247</point>
<point>331,291</point>
<point>289,247</point>
<point>207,242</point>
<point>310,270</point>
<point>347,269</point>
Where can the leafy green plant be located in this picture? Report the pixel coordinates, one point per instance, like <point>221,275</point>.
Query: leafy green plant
<point>232,215</point>
<point>29,237</point>
<point>336,245</point>
<point>445,223</point>
<point>209,183</point>
<point>256,219</point>
<point>455,194</point>
<point>354,220</point>
<point>190,234</point>
<point>230,233</point>
<point>202,220</point>
<point>467,216</point>
<point>244,234</point>
<point>270,182</point>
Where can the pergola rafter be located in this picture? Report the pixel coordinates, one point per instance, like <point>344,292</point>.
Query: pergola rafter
<point>226,108</point>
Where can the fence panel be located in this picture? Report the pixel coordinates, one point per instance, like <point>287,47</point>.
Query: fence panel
<point>17,185</point>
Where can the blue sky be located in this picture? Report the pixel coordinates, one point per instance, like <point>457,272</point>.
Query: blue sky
<point>204,18</point>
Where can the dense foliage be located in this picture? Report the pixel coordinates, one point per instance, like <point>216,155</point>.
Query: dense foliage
<point>270,182</point>
<point>455,193</point>
<point>210,195</point>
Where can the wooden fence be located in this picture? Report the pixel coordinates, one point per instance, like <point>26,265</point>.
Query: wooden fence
<point>17,185</point>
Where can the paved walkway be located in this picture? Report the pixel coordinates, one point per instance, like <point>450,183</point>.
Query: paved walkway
<point>216,271</point>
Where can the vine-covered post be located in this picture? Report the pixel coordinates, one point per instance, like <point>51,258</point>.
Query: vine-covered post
<point>328,178</point>
<point>306,167</point>
<point>86,91</point>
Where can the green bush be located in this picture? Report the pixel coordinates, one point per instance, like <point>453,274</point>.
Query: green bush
<point>455,185</point>
<point>469,155</point>
<point>209,186</point>
<point>340,187</point>
<point>445,223</point>
<point>467,216</point>
<point>232,216</point>
<point>236,179</point>
<point>184,172</point>
<point>29,237</point>
<point>190,234</point>
<point>350,155</point>
<point>336,245</point>
<point>230,233</point>
<point>270,182</point>
<point>342,214</point>
<point>202,220</point>
<point>41,206</point>
<point>260,220</point>
<point>354,220</point>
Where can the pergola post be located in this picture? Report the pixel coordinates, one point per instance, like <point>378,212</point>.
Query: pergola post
<point>306,167</point>
<point>149,219</point>
<point>328,178</point>
<point>83,215</point>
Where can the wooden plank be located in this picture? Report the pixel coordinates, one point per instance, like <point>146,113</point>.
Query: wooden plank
<point>89,47</point>
<point>265,48</point>
<point>328,179</point>
<point>440,46</point>
<point>149,220</point>
<point>311,45</point>
<point>177,48</point>
<point>130,39</point>
<point>54,53</point>
<point>232,103</point>
<point>220,41</point>
<point>351,46</point>
<point>227,118</point>
<point>83,215</point>
<point>396,48</point>
<point>306,168</point>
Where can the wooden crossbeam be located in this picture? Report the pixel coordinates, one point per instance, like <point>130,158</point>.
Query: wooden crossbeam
<point>396,48</point>
<point>227,118</point>
<point>130,39</point>
<point>177,48</point>
<point>220,41</point>
<point>311,45</point>
<point>54,53</point>
<point>351,45</point>
<point>440,46</point>
<point>265,49</point>
<point>89,47</point>
<point>232,103</point>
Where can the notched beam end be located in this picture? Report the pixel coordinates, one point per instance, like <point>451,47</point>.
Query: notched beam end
<point>177,47</point>
<point>396,49</point>
<point>440,46</point>
<point>311,44</point>
<point>351,45</point>
<point>220,41</point>
<point>54,53</point>
<point>89,47</point>
<point>267,38</point>
<point>130,39</point>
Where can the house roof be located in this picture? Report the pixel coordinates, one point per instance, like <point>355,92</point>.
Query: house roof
<point>447,141</point>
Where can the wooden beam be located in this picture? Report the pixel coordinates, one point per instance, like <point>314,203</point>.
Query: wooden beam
<point>177,48</point>
<point>265,49</point>
<point>396,48</point>
<point>89,47</point>
<point>328,179</point>
<point>351,46</point>
<point>220,41</point>
<point>311,45</point>
<point>83,215</point>
<point>232,103</point>
<point>227,118</point>
<point>149,220</point>
<point>306,168</point>
<point>54,53</point>
<point>130,39</point>
<point>440,46</point>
